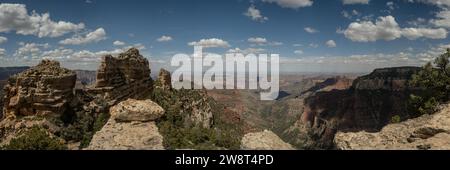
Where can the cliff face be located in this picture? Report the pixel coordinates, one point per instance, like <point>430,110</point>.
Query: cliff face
<point>369,104</point>
<point>44,89</point>
<point>425,132</point>
<point>122,77</point>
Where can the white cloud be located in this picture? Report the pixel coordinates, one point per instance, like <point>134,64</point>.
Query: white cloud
<point>415,33</point>
<point>298,52</point>
<point>255,14</point>
<point>443,19</point>
<point>118,43</point>
<point>331,43</point>
<point>310,30</point>
<point>164,38</point>
<point>291,3</point>
<point>390,5</point>
<point>212,42</point>
<point>30,50</point>
<point>440,3</point>
<point>91,37</point>
<point>350,15</point>
<point>386,28</point>
<point>313,45</point>
<point>257,40</point>
<point>3,39</point>
<point>14,17</point>
<point>247,50</point>
<point>2,53</point>
<point>348,2</point>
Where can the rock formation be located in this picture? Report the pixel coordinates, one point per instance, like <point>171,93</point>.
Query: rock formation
<point>122,77</point>
<point>265,140</point>
<point>130,127</point>
<point>369,104</point>
<point>164,80</point>
<point>425,132</point>
<point>44,89</point>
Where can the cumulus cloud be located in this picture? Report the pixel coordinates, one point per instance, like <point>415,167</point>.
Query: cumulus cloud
<point>3,39</point>
<point>415,33</point>
<point>209,43</point>
<point>94,36</point>
<point>255,14</point>
<point>15,17</point>
<point>442,19</point>
<point>386,28</point>
<point>310,30</point>
<point>164,38</point>
<point>349,2</point>
<point>30,50</point>
<point>294,4</point>
<point>331,43</point>
<point>118,43</point>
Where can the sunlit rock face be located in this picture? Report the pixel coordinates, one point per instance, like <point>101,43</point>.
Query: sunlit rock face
<point>41,90</point>
<point>122,77</point>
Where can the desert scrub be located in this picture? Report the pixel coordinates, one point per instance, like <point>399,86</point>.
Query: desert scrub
<point>35,138</point>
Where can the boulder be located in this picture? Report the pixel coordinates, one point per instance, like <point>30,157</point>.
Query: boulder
<point>127,136</point>
<point>130,127</point>
<point>136,110</point>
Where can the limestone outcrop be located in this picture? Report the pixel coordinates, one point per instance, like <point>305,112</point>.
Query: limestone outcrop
<point>41,90</point>
<point>265,140</point>
<point>130,127</point>
<point>425,132</point>
<point>122,77</point>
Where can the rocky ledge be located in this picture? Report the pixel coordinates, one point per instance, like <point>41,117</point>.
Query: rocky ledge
<point>425,132</point>
<point>265,140</point>
<point>130,127</point>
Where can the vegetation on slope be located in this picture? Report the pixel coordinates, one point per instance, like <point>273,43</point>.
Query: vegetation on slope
<point>178,133</point>
<point>435,79</point>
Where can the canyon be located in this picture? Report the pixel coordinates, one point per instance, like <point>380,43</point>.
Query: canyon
<point>127,109</point>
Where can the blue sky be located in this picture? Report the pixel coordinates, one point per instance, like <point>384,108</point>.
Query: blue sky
<point>309,35</point>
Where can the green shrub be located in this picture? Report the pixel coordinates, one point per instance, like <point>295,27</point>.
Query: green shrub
<point>395,119</point>
<point>35,138</point>
<point>434,81</point>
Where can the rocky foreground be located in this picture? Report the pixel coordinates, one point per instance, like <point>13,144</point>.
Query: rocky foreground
<point>265,140</point>
<point>130,127</point>
<point>425,132</point>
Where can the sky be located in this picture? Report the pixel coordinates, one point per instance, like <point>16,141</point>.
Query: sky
<point>309,35</point>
